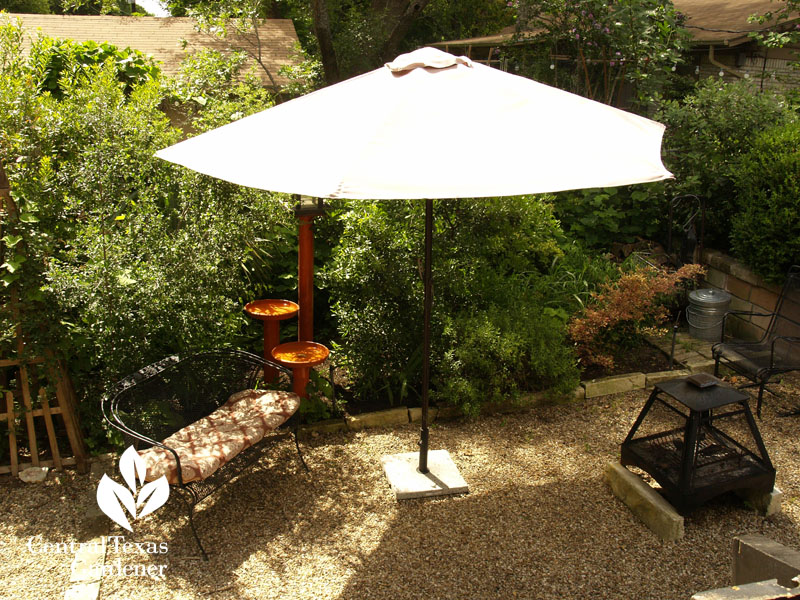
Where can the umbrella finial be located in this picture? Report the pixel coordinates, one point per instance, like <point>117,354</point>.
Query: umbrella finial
<point>426,57</point>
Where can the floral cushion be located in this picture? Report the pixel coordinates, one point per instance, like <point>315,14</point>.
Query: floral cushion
<point>207,444</point>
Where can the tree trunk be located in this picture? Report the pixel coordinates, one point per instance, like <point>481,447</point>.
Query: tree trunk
<point>402,24</point>
<point>322,28</point>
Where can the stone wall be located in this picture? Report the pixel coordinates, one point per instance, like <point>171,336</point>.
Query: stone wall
<point>749,293</point>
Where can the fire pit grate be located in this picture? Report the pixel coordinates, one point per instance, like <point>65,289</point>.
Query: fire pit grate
<point>697,454</point>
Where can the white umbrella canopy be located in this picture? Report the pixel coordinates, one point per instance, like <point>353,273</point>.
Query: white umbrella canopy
<point>409,130</point>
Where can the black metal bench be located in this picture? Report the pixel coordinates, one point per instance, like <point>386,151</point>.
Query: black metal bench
<point>778,350</point>
<point>165,397</point>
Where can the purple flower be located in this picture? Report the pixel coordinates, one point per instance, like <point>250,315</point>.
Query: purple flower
<point>612,63</point>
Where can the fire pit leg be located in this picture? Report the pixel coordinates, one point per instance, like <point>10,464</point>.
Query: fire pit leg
<point>640,418</point>
<point>690,443</point>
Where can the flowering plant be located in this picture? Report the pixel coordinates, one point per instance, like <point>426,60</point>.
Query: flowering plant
<point>620,310</point>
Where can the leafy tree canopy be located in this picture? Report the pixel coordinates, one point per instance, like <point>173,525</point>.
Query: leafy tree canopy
<point>592,47</point>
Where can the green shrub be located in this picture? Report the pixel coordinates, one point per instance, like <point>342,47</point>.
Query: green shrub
<point>766,231</point>
<point>120,258</point>
<point>479,245</point>
<point>599,217</point>
<point>573,277</point>
<point>511,346</point>
<point>706,134</point>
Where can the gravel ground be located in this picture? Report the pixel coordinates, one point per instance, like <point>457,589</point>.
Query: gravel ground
<point>539,521</point>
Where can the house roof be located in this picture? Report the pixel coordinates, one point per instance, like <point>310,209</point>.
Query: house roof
<point>168,39</point>
<point>717,22</point>
<point>725,22</point>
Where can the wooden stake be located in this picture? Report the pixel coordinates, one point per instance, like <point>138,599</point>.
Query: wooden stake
<point>51,432</point>
<point>12,434</point>
<point>26,400</point>
<point>68,404</point>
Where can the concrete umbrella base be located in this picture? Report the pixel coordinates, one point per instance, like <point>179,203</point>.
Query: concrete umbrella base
<point>442,478</point>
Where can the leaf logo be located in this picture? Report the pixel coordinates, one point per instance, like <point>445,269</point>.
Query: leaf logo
<point>113,497</point>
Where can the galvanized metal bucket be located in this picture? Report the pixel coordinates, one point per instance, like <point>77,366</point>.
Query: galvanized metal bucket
<point>705,313</point>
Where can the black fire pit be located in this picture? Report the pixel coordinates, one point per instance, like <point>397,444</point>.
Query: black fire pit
<point>698,442</point>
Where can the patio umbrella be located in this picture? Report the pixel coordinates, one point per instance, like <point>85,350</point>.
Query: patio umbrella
<point>405,131</point>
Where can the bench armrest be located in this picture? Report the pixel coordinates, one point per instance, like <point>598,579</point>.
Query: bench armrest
<point>118,424</point>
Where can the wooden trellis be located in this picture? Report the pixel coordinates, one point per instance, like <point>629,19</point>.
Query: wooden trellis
<point>30,385</point>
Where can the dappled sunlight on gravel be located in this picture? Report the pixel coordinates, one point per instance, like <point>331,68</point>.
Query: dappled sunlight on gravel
<point>539,522</point>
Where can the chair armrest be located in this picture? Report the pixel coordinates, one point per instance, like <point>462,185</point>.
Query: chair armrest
<point>739,314</point>
<point>785,338</point>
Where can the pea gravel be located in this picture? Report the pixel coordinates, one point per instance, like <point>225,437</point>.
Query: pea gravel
<point>539,521</point>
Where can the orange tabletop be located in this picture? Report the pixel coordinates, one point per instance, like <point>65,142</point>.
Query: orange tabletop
<point>300,354</point>
<point>271,310</point>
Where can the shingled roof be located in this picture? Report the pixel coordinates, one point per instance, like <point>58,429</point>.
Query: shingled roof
<point>725,22</point>
<point>710,22</point>
<point>168,39</point>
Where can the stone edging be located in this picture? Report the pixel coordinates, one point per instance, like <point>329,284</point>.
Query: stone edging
<point>691,356</point>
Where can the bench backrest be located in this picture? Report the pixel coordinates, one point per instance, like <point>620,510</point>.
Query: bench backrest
<point>166,396</point>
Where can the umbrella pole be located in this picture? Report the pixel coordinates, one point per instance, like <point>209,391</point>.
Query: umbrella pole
<point>426,335</point>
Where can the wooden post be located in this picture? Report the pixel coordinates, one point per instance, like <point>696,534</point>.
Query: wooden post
<point>305,279</point>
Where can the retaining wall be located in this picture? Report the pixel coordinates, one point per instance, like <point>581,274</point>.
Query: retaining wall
<point>749,293</point>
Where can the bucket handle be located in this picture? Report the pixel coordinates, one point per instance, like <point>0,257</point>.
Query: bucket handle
<point>689,321</point>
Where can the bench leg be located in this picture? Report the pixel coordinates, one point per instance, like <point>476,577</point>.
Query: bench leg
<point>295,427</point>
<point>190,504</point>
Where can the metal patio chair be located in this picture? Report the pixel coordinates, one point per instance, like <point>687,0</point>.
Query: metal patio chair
<point>778,350</point>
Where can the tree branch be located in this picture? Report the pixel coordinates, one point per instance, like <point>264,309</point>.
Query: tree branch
<point>411,12</point>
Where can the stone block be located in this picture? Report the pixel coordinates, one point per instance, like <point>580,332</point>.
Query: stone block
<point>415,414</point>
<point>767,503</point>
<point>682,354</point>
<point>740,305</point>
<point>83,591</point>
<point>716,278</point>
<point>744,330</point>
<point>700,365</point>
<point>381,418</point>
<point>741,271</point>
<point>34,474</point>
<point>444,411</point>
<point>614,384</point>
<point>643,501</point>
<point>762,590</point>
<point>704,349</point>
<point>737,287</point>
<point>764,299</point>
<point>654,378</point>
<point>758,558</point>
<point>327,426</point>
<point>716,259</point>
<point>761,322</point>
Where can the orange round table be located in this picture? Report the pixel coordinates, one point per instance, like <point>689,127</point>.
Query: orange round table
<point>300,357</point>
<point>271,312</point>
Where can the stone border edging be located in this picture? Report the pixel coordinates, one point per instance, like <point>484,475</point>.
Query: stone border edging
<point>691,356</point>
